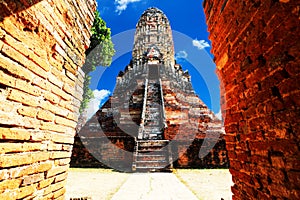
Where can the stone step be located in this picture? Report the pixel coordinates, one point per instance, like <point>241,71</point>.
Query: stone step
<point>155,120</point>
<point>151,158</point>
<point>150,134</point>
<point>151,115</point>
<point>147,143</point>
<point>149,168</point>
<point>150,149</point>
<point>155,136</point>
<point>152,130</point>
<point>151,161</point>
<point>151,164</point>
<point>152,126</point>
<point>155,109</point>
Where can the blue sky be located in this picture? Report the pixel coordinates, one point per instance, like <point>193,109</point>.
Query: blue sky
<point>192,47</point>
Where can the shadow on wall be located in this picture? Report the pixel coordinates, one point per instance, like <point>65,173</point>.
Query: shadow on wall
<point>42,45</point>
<point>11,7</point>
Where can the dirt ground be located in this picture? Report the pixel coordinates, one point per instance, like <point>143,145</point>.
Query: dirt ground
<point>207,184</point>
<point>102,184</point>
<point>98,184</point>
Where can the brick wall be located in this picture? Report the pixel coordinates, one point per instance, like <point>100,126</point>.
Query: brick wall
<point>42,45</point>
<point>191,126</point>
<point>103,152</point>
<point>256,48</point>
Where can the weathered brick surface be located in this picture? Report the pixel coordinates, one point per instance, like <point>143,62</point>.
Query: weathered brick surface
<point>256,48</point>
<point>153,100</point>
<point>42,45</point>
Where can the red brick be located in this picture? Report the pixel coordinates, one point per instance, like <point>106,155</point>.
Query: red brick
<point>29,180</point>
<point>18,147</point>
<point>15,68</point>
<point>64,161</point>
<point>50,126</point>
<point>8,106</point>
<point>60,93</point>
<point>69,89</point>
<point>289,85</point>
<point>66,122</point>
<point>21,47</point>
<point>54,108</point>
<point>45,115</point>
<point>9,184</point>
<point>54,80</point>
<point>269,100</point>
<point>14,133</point>
<point>24,98</point>
<point>61,177</point>
<point>8,195</point>
<point>34,82</point>
<point>7,80</point>
<point>59,194</point>
<point>40,82</point>
<point>25,191</point>
<point>57,170</point>
<point>52,97</point>
<point>28,111</point>
<point>62,138</point>
<point>22,158</point>
<point>45,183</point>
<point>15,55</point>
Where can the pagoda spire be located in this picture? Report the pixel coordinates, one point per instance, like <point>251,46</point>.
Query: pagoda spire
<point>153,38</point>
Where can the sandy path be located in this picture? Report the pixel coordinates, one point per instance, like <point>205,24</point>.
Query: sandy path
<point>101,184</point>
<point>150,186</point>
<point>207,184</point>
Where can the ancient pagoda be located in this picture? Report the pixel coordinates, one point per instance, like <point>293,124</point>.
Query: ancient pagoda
<point>154,120</point>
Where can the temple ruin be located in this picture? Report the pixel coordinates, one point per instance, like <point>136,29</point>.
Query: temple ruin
<point>256,49</point>
<point>154,117</point>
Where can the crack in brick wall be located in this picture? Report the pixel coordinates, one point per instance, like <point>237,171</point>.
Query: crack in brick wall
<point>256,48</point>
<point>42,45</point>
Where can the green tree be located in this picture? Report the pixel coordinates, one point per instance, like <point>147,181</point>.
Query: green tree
<point>99,53</point>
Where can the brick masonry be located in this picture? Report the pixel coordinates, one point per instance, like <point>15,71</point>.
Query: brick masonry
<point>153,100</point>
<point>42,45</point>
<point>256,48</point>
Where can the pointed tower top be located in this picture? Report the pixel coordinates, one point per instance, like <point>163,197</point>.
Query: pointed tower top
<point>153,9</point>
<point>153,37</point>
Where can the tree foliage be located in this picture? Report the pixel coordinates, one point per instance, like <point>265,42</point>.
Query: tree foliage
<point>99,53</point>
<point>87,93</point>
<point>101,47</point>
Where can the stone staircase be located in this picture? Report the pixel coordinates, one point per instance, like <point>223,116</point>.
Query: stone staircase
<point>152,152</point>
<point>152,155</point>
<point>153,121</point>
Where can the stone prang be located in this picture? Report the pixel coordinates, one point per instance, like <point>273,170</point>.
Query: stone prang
<point>154,120</point>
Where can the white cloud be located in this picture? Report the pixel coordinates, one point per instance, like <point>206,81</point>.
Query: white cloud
<point>93,107</point>
<point>181,54</point>
<point>200,44</point>
<point>122,5</point>
<point>104,10</point>
<point>219,115</point>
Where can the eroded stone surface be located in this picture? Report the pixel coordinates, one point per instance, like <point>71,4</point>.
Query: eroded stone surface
<point>41,44</point>
<point>153,101</point>
<point>257,57</point>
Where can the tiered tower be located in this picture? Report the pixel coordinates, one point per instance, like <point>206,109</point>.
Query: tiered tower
<point>154,118</point>
<point>153,37</point>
